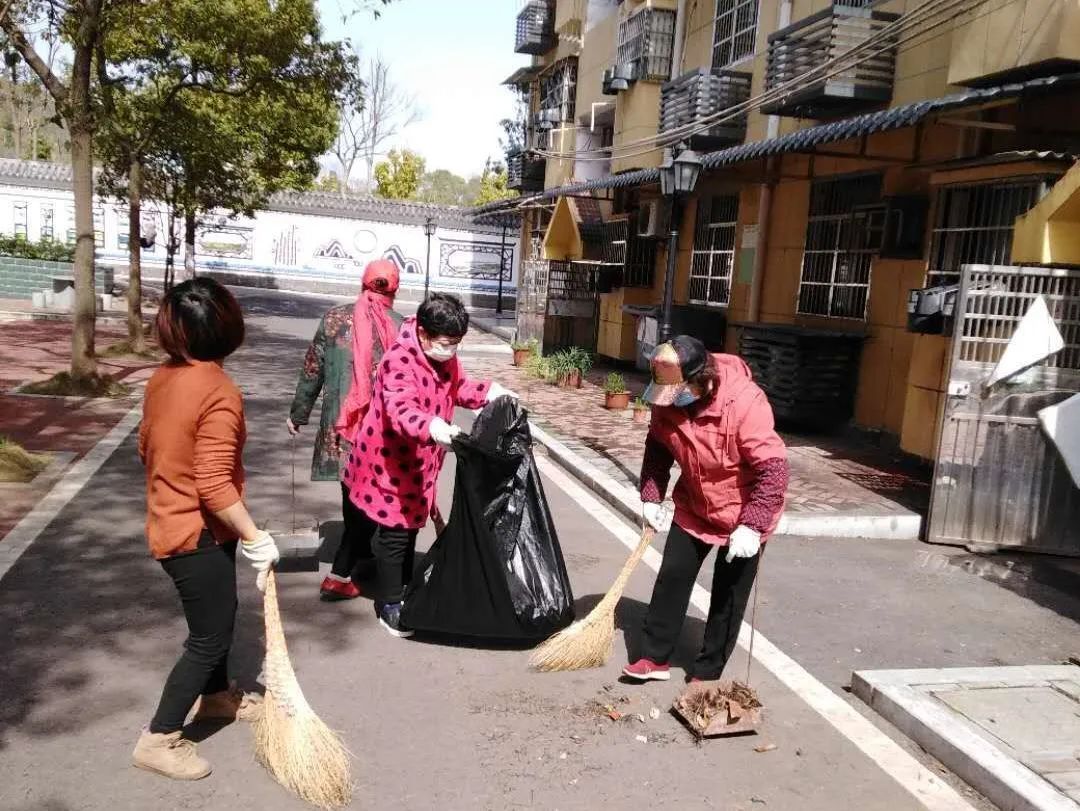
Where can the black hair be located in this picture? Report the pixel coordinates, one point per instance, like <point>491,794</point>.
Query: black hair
<point>199,320</point>
<point>443,314</point>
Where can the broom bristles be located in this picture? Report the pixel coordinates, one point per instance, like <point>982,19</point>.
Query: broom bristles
<point>589,642</point>
<point>291,741</point>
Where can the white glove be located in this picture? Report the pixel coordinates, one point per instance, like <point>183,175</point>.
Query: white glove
<point>263,553</point>
<point>442,432</point>
<point>496,391</point>
<point>658,516</point>
<point>743,543</point>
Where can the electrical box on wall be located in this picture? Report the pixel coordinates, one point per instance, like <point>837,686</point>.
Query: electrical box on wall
<point>930,308</point>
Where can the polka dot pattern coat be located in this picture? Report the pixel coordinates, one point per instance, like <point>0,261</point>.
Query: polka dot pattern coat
<point>394,465</point>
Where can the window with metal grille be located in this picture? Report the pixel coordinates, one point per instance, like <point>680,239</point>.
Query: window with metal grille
<point>71,235</point>
<point>558,89</point>
<point>835,279</point>
<point>646,41</point>
<point>636,256</point>
<point>99,226</point>
<point>734,31</point>
<point>973,224</point>
<point>20,230</point>
<point>714,250</point>
<point>47,229</point>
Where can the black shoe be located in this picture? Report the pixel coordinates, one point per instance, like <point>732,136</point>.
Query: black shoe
<point>390,618</point>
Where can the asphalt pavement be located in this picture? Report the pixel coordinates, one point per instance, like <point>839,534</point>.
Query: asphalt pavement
<point>90,625</point>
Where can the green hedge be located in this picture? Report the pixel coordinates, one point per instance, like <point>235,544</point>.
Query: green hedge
<point>48,250</point>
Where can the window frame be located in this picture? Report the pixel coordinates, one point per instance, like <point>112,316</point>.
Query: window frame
<point>733,33</point>
<point>706,255</point>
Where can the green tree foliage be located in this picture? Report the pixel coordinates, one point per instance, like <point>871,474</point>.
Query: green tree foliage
<point>444,187</point>
<point>493,185</point>
<point>398,177</point>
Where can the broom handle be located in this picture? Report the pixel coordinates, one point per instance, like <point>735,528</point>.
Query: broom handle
<point>293,489</point>
<point>753,615</point>
<point>616,590</point>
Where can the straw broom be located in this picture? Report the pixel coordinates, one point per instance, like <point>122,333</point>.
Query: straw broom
<point>291,741</point>
<point>589,642</point>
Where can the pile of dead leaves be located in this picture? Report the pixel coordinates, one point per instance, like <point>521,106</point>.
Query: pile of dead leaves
<point>707,707</point>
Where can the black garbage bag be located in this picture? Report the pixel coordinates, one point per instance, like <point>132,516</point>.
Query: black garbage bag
<point>496,570</point>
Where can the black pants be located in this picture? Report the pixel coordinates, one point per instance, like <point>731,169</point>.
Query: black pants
<point>206,581</point>
<point>355,545</point>
<point>394,551</point>
<point>732,582</point>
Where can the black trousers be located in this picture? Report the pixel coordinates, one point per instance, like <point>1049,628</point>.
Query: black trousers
<point>355,545</point>
<point>395,550</point>
<point>732,582</point>
<point>206,581</point>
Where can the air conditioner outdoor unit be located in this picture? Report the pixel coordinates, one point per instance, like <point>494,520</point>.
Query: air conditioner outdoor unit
<point>651,220</point>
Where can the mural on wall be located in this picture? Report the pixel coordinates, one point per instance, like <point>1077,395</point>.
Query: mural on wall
<point>285,246</point>
<point>229,242</point>
<point>461,259</point>
<point>336,255</point>
<point>405,264</point>
<point>365,241</point>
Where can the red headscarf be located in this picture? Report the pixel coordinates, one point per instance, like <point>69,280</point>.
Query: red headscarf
<point>371,315</point>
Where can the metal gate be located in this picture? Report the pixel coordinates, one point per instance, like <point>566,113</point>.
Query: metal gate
<point>999,482</point>
<point>557,304</point>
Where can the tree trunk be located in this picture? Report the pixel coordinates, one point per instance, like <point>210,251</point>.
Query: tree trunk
<point>134,295</point>
<point>189,244</point>
<point>83,364</point>
<point>170,249</point>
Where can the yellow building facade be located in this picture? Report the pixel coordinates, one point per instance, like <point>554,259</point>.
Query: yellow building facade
<point>795,219</point>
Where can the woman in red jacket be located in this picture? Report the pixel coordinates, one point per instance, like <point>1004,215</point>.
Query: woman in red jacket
<point>711,419</point>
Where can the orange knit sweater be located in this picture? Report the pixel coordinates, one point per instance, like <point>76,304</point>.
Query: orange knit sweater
<point>190,440</point>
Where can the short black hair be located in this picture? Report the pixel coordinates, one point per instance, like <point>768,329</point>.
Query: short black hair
<point>199,320</point>
<point>443,314</point>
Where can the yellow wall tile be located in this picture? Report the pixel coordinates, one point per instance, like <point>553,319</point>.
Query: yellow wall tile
<point>929,362</point>
<point>922,408</point>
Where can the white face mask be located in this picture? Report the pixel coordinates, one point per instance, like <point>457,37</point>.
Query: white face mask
<point>441,353</point>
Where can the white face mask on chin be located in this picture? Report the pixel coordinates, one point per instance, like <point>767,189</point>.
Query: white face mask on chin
<point>440,353</point>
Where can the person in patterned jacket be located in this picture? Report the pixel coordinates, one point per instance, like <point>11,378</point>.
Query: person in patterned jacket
<point>340,363</point>
<point>711,419</point>
<point>394,465</point>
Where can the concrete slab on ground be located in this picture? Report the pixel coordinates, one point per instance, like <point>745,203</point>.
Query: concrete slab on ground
<point>1013,733</point>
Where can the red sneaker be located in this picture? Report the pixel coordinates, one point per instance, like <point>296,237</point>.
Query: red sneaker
<point>333,590</point>
<point>647,670</point>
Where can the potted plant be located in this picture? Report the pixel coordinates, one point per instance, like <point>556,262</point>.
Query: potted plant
<point>616,397</point>
<point>538,366</point>
<point>580,362</point>
<point>523,350</point>
<point>563,370</point>
<point>641,411</point>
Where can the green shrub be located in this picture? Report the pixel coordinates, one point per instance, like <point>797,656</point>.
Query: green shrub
<point>47,250</point>
<point>614,384</point>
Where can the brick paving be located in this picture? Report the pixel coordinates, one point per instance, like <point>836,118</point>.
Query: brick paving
<point>830,475</point>
<point>36,350</point>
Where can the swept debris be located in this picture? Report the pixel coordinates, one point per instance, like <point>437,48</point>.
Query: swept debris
<point>719,708</point>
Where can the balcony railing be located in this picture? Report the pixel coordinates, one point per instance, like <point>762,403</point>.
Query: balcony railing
<point>695,96</point>
<point>558,93</point>
<point>525,171</point>
<point>646,43</point>
<point>866,80</point>
<point>536,28</point>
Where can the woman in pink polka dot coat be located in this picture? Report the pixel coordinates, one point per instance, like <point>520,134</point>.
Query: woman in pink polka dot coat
<point>399,450</point>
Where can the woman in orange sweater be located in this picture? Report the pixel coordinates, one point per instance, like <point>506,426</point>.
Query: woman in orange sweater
<point>190,441</point>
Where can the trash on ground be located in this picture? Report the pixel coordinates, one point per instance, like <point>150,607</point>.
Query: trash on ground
<point>719,708</point>
<point>654,713</point>
<point>766,747</point>
<point>641,739</point>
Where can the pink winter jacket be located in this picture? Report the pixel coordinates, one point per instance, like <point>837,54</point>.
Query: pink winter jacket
<point>733,463</point>
<point>394,464</point>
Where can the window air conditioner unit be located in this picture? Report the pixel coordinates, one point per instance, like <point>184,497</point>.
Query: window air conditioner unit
<point>651,218</point>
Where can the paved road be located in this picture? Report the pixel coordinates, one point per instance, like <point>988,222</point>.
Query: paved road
<point>89,626</point>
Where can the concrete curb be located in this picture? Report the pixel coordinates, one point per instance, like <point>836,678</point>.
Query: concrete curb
<point>895,527</point>
<point>902,698</point>
<point>47,315</point>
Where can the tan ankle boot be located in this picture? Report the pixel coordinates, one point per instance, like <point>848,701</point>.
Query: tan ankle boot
<point>171,755</point>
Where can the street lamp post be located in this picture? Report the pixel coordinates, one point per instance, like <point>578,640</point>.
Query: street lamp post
<point>429,231</point>
<point>678,176</point>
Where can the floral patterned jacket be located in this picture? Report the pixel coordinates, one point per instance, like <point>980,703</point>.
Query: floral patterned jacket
<point>328,369</point>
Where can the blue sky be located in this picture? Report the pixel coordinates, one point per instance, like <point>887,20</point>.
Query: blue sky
<point>452,55</point>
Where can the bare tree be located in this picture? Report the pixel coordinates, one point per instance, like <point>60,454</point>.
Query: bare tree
<point>376,116</point>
